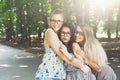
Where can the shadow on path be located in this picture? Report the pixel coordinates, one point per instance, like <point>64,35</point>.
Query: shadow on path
<point>16,64</point>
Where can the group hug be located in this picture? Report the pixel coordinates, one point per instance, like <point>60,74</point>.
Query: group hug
<point>72,53</point>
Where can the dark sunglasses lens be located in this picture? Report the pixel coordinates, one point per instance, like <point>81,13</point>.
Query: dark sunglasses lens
<point>78,32</point>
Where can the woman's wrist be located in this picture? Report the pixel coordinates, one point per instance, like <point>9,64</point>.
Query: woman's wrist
<point>71,57</point>
<point>85,68</point>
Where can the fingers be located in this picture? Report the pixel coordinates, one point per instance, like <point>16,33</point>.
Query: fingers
<point>79,52</point>
<point>63,48</point>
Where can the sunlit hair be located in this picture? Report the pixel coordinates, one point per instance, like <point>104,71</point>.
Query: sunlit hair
<point>58,11</point>
<point>72,31</point>
<point>92,47</point>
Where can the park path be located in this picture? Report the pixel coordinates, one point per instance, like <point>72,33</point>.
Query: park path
<point>16,64</point>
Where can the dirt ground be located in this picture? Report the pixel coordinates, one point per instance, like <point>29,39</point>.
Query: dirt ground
<point>111,48</point>
<point>34,49</point>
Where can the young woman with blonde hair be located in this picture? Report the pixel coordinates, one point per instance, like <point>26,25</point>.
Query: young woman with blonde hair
<point>94,53</point>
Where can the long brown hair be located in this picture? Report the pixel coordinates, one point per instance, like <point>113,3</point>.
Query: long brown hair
<point>72,31</point>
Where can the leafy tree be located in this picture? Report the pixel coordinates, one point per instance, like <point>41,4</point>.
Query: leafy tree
<point>9,17</point>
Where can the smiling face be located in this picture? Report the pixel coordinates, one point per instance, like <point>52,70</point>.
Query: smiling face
<point>79,35</point>
<point>65,35</point>
<point>56,22</point>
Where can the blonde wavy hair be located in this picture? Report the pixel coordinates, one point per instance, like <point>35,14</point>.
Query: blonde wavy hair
<point>92,47</point>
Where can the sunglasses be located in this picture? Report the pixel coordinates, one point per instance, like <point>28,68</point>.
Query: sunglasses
<point>56,21</point>
<point>79,32</point>
<point>65,33</point>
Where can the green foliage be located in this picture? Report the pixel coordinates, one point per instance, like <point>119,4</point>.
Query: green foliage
<point>31,16</point>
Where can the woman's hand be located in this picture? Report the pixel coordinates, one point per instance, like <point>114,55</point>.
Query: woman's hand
<point>64,50</point>
<point>79,54</point>
<point>93,64</point>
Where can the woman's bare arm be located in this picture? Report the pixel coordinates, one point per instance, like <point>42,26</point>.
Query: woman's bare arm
<point>53,41</point>
<point>93,64</point>
<point>83,67</point>
<point>80,54</point>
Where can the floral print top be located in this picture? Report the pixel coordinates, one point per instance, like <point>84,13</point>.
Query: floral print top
<point>51,66</point>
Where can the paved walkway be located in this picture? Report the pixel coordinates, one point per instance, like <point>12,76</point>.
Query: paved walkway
<point>16,64</point>
<point>19,65</point>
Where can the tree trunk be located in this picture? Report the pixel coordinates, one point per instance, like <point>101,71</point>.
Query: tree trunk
<point>108,33</point>
<point>117,32</point>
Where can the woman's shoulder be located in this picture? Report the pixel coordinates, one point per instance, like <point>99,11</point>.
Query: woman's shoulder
<point>47,34</point>
<point>49,30</point>
<point>76,46</point>
<point>50,36</point>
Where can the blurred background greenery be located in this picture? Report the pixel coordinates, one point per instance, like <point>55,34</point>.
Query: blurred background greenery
<point>23,21</point>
